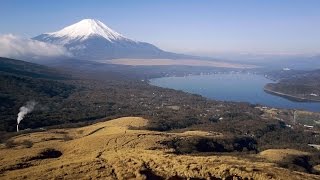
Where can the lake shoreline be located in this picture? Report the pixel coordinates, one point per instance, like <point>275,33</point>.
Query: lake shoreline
<point>249,88</point>
<point>288,96</point>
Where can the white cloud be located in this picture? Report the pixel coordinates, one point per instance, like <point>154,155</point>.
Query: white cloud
<point>16,47</point>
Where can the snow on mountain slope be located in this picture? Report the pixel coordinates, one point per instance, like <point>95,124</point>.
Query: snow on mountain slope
<point>84,29</point>
<point>92,40</point>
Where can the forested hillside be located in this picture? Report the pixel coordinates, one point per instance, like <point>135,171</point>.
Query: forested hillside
<point>296,85</point>
<point>72,101</point>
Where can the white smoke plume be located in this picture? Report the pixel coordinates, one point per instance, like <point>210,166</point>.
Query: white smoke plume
<point>24,110</point>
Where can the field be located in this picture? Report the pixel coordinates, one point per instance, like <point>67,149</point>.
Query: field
<point>183,62</point>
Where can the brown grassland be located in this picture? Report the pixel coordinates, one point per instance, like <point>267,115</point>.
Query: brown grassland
<point>117,149</point>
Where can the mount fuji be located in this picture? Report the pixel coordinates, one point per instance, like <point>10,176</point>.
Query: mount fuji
<point>90,39</point>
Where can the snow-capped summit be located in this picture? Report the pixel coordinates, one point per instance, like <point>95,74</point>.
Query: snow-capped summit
<point>86,28</point>
<point>90,39</point>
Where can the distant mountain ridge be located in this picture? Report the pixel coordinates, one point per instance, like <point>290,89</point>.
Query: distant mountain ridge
<point>31,70</point>
<point>90,39</point>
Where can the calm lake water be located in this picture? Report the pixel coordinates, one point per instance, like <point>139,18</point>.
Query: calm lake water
<point>232,87</point>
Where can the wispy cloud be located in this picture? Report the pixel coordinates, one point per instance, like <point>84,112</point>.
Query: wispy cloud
<point>12,46</point>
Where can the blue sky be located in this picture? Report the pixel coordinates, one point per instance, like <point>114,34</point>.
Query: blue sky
<point>190,26</point>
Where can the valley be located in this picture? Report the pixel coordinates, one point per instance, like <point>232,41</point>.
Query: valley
<point>184,124</point>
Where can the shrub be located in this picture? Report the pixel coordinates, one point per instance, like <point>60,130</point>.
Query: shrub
<point>10,144</point>
<point>27,143</point>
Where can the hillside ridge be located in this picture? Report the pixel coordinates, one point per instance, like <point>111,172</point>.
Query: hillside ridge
<point>107,149</point>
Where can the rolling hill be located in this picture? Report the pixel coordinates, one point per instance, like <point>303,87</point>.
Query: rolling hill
<point>115,150</point>
<point>26,69</point>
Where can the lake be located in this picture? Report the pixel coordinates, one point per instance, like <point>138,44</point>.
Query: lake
<point>232,87</point>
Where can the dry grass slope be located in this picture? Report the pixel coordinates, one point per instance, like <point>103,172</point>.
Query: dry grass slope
<point>109,150</point>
